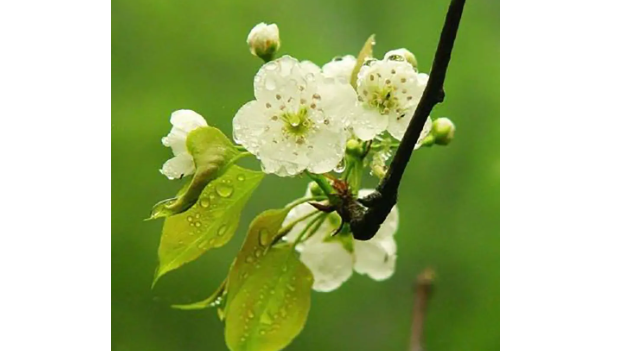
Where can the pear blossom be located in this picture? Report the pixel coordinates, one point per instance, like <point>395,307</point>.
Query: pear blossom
<point>340,68</point>
<point>388,92</point>
<point>297,121</point>
<point>182,164</point>
<point>264,40</point>
<point>332,262</point>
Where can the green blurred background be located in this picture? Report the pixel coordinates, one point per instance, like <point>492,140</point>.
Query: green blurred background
<point>173,54</point>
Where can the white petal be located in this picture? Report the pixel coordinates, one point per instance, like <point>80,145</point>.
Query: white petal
<point>340,69</point>
<point>375,258</point>
<point>368,124</point>
<point>329,262</point>
<point>187,120</point>
<point>310,67</point>
<point>249,124</point>
<point>178,166</point>
<point>426,130</point>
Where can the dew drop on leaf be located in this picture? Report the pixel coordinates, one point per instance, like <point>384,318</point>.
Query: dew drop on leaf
<point>240,177</point>
<point>222,229</point>
<point>205,203</point>
<point>224,190</point>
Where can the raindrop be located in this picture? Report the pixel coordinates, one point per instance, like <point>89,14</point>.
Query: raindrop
<point>222,229</point>
<point>189,218</point>
<point>250,314</point>
<point>341,166</point>
<point>197,224</point>
<point>249,259</point>
<point>270,84</point>
<point>204,202</point>
<point>291,287</point>
<point>240,177</point>
<point>264,237</point>
<point>224,190</point>
<point>258,253</point>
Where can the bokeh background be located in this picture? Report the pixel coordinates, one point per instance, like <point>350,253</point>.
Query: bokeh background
<point>173,54</point>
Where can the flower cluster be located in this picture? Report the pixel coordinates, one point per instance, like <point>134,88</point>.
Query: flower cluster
<point>306,119</point>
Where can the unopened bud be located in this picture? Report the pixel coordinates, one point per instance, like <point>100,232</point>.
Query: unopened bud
<point>402,54</point>
<point>264,40</point>
<point>443,130</point>
<point>315,190</point>
<point>353,147</point>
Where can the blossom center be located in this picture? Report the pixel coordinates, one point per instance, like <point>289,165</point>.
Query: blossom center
<point>381,98</point>
<point>297,124</point>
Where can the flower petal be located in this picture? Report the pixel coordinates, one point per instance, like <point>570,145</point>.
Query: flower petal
<point>375,258</point>
<point>329,262</point>
<point>179,166</point>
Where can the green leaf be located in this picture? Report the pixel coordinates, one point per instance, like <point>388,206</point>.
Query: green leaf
<point>213,300</point>
<point>213,154</point>
<point>209,223</point>
<point>269,290</point>
<point>366,52</point>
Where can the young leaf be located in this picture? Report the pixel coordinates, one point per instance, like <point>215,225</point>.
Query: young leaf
<point>366,52</point>
<point>209,223</point>
<point>211,301</point>
<point>213,154</point>
<point>268,290</point>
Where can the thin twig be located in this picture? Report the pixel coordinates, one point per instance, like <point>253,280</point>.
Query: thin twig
<point>366,223</point>
<point>423,291</point>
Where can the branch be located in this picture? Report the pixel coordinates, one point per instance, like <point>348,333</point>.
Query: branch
<point>366,223</point>
<point>423,290</point>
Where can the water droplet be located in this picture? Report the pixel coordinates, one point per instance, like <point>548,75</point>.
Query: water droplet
<point>249,259</point>
<point>271,66</point>
<point>197,224</point>
<point>250,314</point>
<point>222,229</point>
<point>224,190</point>
<point>262,332</point>
<point>270,84</point>
<point>204,202</point>
<point>189,218</point>
<point>341,166</point>
<point>197,215</point>
<point>264,237</point>
<point>258,253</point>
<point>291,287</point>
<point>240,177</point>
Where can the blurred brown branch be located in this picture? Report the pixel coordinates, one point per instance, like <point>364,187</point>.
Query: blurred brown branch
<point>423,290</point>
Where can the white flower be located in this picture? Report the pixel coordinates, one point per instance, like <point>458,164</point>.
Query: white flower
<point>184,122</point>
<point>298,118</point>
<point>264,40</point>
<point>331,263</point>
<point>389,92</point>
<point>340,68</point>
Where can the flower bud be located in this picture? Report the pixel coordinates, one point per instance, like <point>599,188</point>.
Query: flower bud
<point>315,190</point>
<point>353,147</point>
<point>443,130</point>
<point>402,53</point>
<point>264,40</point>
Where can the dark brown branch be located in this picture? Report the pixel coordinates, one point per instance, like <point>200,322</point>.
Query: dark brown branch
<point>366,224</point>
<point>423,291</point>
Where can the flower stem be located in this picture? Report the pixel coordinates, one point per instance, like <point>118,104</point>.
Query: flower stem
<point>323,184</point>
<point>308,226</point>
